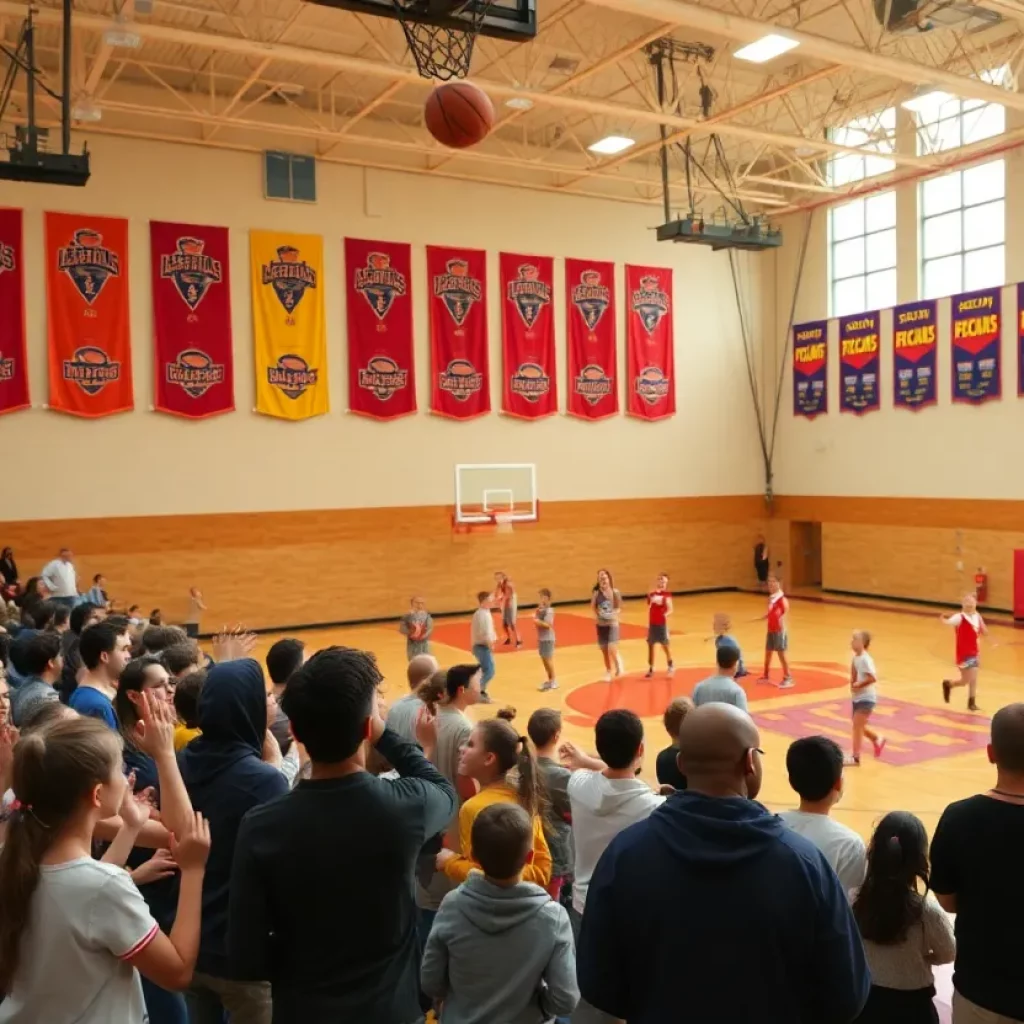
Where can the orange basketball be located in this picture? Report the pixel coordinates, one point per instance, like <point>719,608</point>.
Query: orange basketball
<point>458,114</point>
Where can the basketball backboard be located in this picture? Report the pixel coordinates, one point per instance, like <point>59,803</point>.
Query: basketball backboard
<point>485,490</point>
<point>512,20</point>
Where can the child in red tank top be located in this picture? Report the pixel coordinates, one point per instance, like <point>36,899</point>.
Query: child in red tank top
<point>777,640</point>
<point>970,627</point>
<point>659,608</point>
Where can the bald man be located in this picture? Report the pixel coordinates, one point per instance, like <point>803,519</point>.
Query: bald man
<point>976,854</point>
<point>713,910</point>
<point>402,715</point>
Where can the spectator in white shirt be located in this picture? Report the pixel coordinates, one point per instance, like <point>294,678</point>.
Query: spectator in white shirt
<point>483,639</point>
<point>815,766</point>
<point>61,579</point>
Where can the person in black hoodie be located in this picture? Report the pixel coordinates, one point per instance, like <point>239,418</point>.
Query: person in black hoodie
<point>226,777</point>
<point>742,919</point>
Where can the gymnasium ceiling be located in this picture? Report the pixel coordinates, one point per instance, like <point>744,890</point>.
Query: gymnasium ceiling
<point>285,74</point>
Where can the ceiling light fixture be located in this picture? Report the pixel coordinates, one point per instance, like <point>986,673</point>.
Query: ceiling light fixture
<point>121,35</point>
<point>926,100</point>
<point>612,144</point>
<point>519,103</point>
<point>766,48</point>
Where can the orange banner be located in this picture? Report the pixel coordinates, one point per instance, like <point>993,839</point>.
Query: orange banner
<point>88,334</point>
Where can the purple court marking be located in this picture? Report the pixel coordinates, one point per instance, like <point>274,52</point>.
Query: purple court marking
<point>914,733</point>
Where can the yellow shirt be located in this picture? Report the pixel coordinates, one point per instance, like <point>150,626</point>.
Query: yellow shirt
<point>458,869</point>
<point>183,736</point>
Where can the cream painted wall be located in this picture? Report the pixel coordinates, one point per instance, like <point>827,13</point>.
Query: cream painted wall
<point>143,463</point>
<point>942,451</point>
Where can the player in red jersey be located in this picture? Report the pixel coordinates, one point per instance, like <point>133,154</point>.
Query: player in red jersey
<point>659,608</point>
<point>777,639</point>
<point>970,627</point>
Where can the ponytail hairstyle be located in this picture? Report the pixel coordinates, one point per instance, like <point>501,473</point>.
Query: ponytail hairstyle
<point>513,751</point>
<point>55,769</point>
<point>133,680</point>
<point>888,902</point>
<point>444,685</point>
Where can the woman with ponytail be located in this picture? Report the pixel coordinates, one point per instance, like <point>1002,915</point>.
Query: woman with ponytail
<point>74,930</point>
<point>493,750</point>
<point>904,929</point>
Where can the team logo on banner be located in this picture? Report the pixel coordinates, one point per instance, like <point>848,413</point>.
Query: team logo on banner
<point>458,290</point>
<point>191,271</point>
<point>290,276</point>
<point>89,264</point>
<point>914,346</point>
<point>650,303</point>
<point>593,384</point>
<point>859,362</point>
<point>6,367</point>
<point>292,376</point>
<point>651,384</point>
<point>379,283</point>
<point>460,379</point>
<point>6,257</point>
<point>976,339</point>
<point>529,293</point>
<point>383,377</point>
<point>194,372</point>
<point>591,298</point>
<point>91,369</point>
<point>810,369</point>
<point>531,382</point>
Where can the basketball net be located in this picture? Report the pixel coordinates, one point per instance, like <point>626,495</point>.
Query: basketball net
<point>442,51</point>
<point>502,522</point>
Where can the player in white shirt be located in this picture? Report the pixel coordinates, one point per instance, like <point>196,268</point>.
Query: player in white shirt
<point>864,688</point>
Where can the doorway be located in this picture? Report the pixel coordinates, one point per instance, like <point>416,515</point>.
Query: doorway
<point>804,555</point>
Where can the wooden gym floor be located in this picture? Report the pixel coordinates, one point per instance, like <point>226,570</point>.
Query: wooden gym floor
<point>935,754</point>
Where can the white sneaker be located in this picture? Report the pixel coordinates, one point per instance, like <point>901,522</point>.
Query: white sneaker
<point>618,665</point>
<point>787,683</point>
<point>607,677</point>
<point>548,684</point>
<point>671,671</point>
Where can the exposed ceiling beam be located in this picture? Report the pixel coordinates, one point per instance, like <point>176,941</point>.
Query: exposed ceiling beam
<point>103,54</point>
<point>747,30</point>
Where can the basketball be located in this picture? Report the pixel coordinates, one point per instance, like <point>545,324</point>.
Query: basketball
<point>459,115</point>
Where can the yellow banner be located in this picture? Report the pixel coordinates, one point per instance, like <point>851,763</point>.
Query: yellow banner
<point>289,327</point>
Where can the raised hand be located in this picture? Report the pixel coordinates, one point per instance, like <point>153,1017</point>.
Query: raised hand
<point>134,810</point>
<point>192,849</point>
<point>160,865</point>
<point>426,728</point>
<point>154,731</point>
<point>232,644</point>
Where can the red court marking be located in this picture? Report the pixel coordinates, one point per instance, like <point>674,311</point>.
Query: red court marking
<point>570,631</point>
<point>649,697</point>
<point>914,733</point>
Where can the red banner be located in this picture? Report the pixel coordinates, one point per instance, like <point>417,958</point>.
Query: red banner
<point>13,369</point>
<point>459,382</point>
<point>529,388</point>
<point>192,354</point>
<point>378,295</point>
<point>590,329</point>
<point>88,332</point>
<point>650,343</point>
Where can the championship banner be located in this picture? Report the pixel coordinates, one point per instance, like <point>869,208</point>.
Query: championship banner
<point>289,329</point>
<point>13,368</point>
<point>87,327</point>
<point>1020,339</point>
<point>859,363</point>
<point>650,344</point>
<point>590,330</point>
<point>529,387</point>
<point>914,348</point>
<point>459,382</point>
<point>378,297</point>
<point>810,369</point>
<point>192,356</point>
<point>976,339</point>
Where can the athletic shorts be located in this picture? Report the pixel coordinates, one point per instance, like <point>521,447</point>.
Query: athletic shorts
<point>776,642</point>
<point>657,634</point>
<point>607,635</point>
<point>546,648</point>
<point>969,663</point>
<point>508,613</point>
<point>863,706</point>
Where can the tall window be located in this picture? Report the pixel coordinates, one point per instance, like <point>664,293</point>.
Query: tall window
<point>948,122</point>
<point>873,133</point>
<point>963,230</point>
<point>863,254</point>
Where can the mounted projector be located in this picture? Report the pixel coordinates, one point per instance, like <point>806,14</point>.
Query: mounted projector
<point>905,16</point>
<point>755,236</point>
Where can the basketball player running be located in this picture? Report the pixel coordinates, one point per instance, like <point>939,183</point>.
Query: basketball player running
<point>659,608</point>
<point>864,688</point>
<point>970,627</point>
<point>777,640</point>
<point>505,598</point>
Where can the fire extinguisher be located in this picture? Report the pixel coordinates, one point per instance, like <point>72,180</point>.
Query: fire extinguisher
<point>981,585</point>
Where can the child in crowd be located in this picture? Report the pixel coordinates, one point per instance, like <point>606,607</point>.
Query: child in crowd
<point>667,763</point>
<point>76,933</point>
<point>416,625</point>
<point>970,627</point>
<point>606,603</point>
<point>186,705</point>
<point>864,688</point>
<point>156,617</point>
<point>906,933</point>
<point>777,640</point>
<point>720,627</point>
<point>545,732</point>
<point>544,619</point>
<point>135,618</point>
<point>482,639</point>
<point>500,949</point>
<point>492,751</point>
<point>659,608</point>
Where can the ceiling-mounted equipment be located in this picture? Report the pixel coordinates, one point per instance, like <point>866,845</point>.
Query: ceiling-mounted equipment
<point>911,16</point>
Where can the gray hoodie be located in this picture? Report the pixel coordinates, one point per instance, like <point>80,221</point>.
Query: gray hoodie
<point>500,955</point>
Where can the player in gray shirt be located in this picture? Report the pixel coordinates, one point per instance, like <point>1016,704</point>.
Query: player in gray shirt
<point>722,687</point>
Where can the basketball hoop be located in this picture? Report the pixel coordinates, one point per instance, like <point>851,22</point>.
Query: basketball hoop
<point>502,522</point>
<point>443,46</point>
